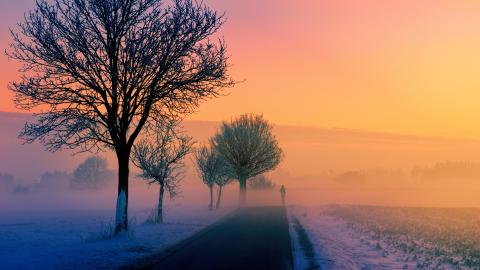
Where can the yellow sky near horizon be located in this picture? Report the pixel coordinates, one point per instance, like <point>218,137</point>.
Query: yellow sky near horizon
<point>410,67</point>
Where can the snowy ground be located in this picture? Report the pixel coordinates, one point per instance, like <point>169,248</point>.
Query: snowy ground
<point>338,247</point>
<point>71,240</point>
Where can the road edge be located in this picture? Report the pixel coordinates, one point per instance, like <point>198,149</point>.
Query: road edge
<point>147,261</point>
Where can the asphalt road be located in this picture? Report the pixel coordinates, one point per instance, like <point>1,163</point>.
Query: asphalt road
<point>251,238</point>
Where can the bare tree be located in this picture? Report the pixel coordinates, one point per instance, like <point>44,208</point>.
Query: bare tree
<point>248,147</point>
<point>211,169</point>
<point>104,70</point>
<point>221,182</point>
<point>161,161</point>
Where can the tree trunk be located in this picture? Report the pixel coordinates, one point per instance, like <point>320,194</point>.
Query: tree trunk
<point>121,217</point>
<point>210,206</point>
<point>219,197</point>
<point>159,218</point>
<point>243,191</point>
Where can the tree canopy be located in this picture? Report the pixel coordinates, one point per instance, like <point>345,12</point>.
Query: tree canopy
<point>248,147</point>
<point>105,69</point>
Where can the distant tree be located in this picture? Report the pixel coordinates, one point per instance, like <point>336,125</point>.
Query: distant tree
<point>103,71</point>
<point>161,160</point>
<point>6,181</point>
<point>20,189</point>
<point>448,170</point>
<point>212,170</point>
<point>248,147</point>
<point>53,180</point>
<point>92,174</point>
<point>261,182</point>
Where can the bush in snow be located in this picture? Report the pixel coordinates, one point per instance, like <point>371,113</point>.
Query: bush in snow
<point>106,231</point>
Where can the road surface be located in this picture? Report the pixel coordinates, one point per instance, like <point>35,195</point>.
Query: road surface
<point>251,238</point>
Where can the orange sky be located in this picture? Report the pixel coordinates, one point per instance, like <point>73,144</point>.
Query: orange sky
<point>409,66</point>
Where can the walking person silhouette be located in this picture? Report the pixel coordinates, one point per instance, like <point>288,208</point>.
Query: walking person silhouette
<point>282,193</point>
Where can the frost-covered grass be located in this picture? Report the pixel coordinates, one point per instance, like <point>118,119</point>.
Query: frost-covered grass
<point>339,247</point>
<point>303,248</point>
<point>82,239</point>
<point>373,237</point>
<point>433,238</point>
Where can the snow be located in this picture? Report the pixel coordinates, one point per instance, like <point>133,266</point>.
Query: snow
<point>338,247</point>
<point>121,206</point>
<point>80,239</point>
<point>299,260</point>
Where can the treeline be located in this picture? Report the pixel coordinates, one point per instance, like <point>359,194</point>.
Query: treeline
<point>448,170</point>
<point>91,174</point>
<point>439,171</point>
<point>363,176</point>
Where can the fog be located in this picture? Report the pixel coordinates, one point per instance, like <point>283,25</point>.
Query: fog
<point>321,166</point>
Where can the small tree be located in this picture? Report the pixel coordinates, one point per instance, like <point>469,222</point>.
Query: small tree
<point>221,181</point>
<point>161,161</point>
<point>104,71</point>
<point>248,147</point>
<point>93,173</point>
<point>211,169</point>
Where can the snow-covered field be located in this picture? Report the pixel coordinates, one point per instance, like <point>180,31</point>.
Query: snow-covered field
<point>338,247</point>
<point>76,239</point>
<point>362,237</point>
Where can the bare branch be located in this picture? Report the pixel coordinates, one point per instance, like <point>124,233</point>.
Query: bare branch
<point>161,160</point>
<point>106,69</point>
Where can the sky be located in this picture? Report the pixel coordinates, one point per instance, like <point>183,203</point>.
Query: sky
<point>409,67</point>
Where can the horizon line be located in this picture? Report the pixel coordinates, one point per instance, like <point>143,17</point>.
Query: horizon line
<point>341,129</point>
